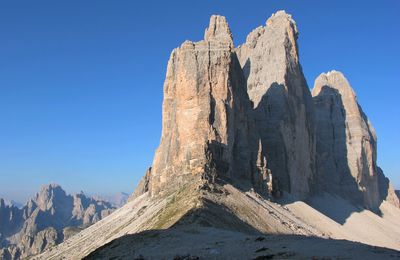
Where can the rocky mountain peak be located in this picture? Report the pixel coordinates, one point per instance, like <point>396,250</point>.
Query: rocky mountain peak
<point>282,102</point>
<point>346,143</point>
<point>218,30</point>
<point>49,196</point>
<point>333,79</point>
<point>281,19</point>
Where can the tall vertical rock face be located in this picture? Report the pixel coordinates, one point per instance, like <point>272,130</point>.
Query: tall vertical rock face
<point>283,106</point>
<point>204,129</point>
<point>346,144</point>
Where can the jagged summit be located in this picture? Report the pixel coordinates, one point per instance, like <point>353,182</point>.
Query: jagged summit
<point>283,20</point>
<point>218,30</point>
<point>49,195</point>
<point>49,189</point>
<point>334,72</point>
<point>282,27</point>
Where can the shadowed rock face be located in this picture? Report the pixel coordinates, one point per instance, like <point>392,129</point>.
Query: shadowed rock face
<point>386,189</point>
<point>43,221</point>
<point>11,219</point>
<point>282,102</point>
<point>346,143</point>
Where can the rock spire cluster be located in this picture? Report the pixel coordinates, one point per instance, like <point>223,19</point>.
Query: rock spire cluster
<point>246,116</point>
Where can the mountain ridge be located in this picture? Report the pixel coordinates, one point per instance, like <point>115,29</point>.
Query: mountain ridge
<point>46,219</point>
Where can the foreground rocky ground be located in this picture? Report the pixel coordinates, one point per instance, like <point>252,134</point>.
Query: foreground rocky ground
<point>194,242</point>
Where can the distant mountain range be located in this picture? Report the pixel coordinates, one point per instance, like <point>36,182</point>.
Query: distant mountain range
<point>13,203</point>
<point>47,219</point>
<point>117,200</point>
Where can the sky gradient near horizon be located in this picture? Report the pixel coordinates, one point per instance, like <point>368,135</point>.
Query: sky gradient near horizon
<point>81,81</point>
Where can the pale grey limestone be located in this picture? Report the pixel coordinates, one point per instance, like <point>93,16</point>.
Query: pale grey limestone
<point>282,103</point>
<point>45,220</point>
<point>347,145</point>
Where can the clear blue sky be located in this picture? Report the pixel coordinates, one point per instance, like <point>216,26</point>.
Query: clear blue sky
<point>81,81</point>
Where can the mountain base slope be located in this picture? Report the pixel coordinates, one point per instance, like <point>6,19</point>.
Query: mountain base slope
<point>213,211</point>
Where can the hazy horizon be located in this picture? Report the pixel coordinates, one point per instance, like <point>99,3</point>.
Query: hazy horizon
<point>81,82</point>
<point>23,200</point>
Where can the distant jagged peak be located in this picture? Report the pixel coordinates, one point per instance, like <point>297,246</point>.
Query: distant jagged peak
<point>47,199</point>
<point>53,194</point>
<point>50,188</point>
<point>50,192</point>
<point>38,225</point>
<point>9,203</point>
<point>117,200</point>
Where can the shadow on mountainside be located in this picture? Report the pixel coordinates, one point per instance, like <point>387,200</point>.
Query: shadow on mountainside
<point>334,175</point>
<point>217,234</point>
<point>333,172</point>
<point>271,119</point>
<point>269,115</point>
<point>383,181</point>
